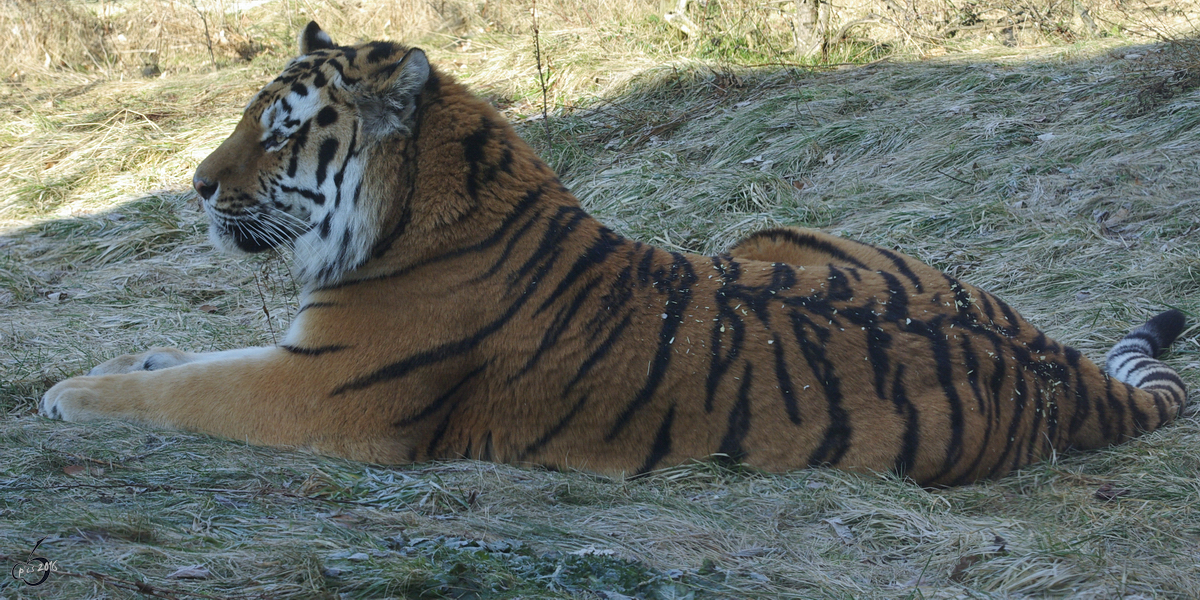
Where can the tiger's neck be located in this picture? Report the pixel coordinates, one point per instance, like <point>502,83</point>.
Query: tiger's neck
<point>452,196</point>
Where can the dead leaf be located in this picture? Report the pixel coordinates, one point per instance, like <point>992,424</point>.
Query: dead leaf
<point>958,573</point>
<point>964,563</point>
<point>1109,493</point>
<point>840,529</point>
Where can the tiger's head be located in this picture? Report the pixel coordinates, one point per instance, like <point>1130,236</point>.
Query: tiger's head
<point>298,169</point>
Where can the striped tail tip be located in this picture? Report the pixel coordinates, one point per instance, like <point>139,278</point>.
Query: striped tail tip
<point>1134,360</point>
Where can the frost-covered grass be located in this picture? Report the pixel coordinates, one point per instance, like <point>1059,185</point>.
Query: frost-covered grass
<point>1061,177</point>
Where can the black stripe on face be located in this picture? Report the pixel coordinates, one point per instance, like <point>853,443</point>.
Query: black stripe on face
<point>662,443</point>
<point>317,197</point>
<point>299,139</point>
<point>338,177</point>
<point>327,116</point>
<point>325,155</point>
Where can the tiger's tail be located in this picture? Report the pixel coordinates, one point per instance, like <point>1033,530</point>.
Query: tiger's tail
<point>1134,360</point>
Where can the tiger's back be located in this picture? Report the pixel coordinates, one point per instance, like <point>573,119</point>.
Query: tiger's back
<point>459,302</point>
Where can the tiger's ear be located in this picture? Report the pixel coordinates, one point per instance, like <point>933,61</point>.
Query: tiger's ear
<point>388,104</point>
<point>312,37</point>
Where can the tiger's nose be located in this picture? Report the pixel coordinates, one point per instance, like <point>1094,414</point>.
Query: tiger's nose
<point>204,187</point>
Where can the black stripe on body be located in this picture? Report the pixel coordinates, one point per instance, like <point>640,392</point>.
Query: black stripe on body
<point>940,348</point>
<point>738,422</point>
<point>314,305</point>
<point>447,350</point>
<point>1082,406</point>
<point>901,266</point>
<point>319,350</point>
<point>438,402</point>
<point>1020,397</point>
<point>731,347</point>
<point>662,443</point>
<point>676,282</point>
<point>1118,408</point>
<point>805,240</point>
<point>784,382</point>
<point>559,325</point>
<point>531,199</point>
<point>983,403</point>
<point>598,352</point>
<point>596,253</point>
<point>481,173</point>
<point>906,459</point>
<point>835,440</point>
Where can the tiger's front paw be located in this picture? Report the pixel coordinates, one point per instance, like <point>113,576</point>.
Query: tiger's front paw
<point>72,400</point>
<point>150,360</point>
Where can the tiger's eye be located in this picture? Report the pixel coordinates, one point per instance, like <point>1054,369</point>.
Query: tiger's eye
<point>274,141</point>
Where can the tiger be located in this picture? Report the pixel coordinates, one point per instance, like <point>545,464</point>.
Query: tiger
<point>458,302</point>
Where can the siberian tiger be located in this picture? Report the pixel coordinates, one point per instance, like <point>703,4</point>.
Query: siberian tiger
<point>458,302</point>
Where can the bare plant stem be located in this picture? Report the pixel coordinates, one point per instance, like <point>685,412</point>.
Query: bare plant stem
<point>207,35</point>
<point>537,53</point>
<point>263,298</point>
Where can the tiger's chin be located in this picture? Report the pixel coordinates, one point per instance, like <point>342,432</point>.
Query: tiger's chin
<point>233,241</point>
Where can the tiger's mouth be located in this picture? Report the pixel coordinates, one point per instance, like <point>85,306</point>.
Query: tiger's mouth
<point>255,231</point>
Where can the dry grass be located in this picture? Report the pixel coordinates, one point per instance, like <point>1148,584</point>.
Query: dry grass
<point>1061,176</point>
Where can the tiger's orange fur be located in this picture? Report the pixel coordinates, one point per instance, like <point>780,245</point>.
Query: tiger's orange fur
<point>458,302</point>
